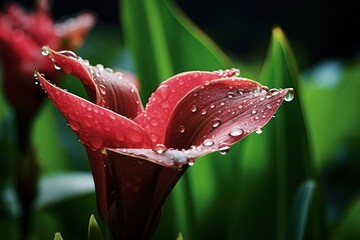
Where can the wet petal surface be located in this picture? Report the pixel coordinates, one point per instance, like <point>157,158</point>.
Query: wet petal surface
<point>105,87</point>
<point>95,126</point>
<point>226,111</point>
<point>163,101</point>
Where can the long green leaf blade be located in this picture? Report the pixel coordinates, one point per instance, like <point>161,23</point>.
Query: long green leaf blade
<point>300,211</point>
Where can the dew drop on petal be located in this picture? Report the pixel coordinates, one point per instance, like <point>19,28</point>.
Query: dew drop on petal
<point>102,89</point>
<point>191,163</point>
<point>160,148</point>
<point>264,89</point>
<point>236,131</point>
<point>74,125</point>
<point>68,53</point>
<point>289,95</point>
<point>57,67</point>
<point>254,111</point>
<point>216,122</point>
<point>100,67</point>
<point>203,111</point>
<point>208,142</point>
<point>230,94</point>
<point>224,148</point>
<point>259,131</point>
<point>181,129</point>
<point>45,51</point>
<point>193,108</point>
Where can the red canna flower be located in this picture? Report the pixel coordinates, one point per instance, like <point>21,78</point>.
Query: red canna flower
<point>137,155</point>
<point>22,34</point>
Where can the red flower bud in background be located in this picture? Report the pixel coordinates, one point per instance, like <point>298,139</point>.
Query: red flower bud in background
<point>22,34</point>
<point>137,155</point>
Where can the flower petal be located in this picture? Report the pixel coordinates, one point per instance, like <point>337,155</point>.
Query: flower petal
<point>141,188</point>
<point>73,31</point>
<point>162,102</point>
<point>105,88</point>
<point>222,112</point>
<point>38,24</point>
<point>95,126</point>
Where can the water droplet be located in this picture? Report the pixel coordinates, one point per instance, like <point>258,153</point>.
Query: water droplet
<point>68,53</point>
<point>264,89</point>
<point>254,111</point>
<point>212,106</point>
<point>230,95</point>
<point>216,122</point>
<point>236,131</point>
<point>208,142</point>
<point>74,125</point>
<point>193,108</point>
<point>57,67</point>
<point>45,51</point>
<point>222,103</point>
<point>109,70</point>
<point>160,148</point>
<point>259,131</point>
<point>240,106</point>
<point>289,95</point>
<point>272,92</point>
<point>256,117</point>
<point>191,163</point>
<point>102,89</point>
<point>181,129</point>
<point>96,143</point>
<point>203,111</point>
<point>100,67</point>
<point>224,148</point>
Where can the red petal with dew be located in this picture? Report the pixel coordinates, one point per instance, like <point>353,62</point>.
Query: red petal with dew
<point>162,102</point>
<point>95,126</point>
<point>105,88</point>
<point>222,112</point>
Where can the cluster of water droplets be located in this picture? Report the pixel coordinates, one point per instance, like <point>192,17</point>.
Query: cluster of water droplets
<point>233,72</point>
<point>251,104</point>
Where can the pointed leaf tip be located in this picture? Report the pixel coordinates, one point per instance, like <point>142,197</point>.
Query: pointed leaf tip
<point>94,231</point>
<point>58,236</point>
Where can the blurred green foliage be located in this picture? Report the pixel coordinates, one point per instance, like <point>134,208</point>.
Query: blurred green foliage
<point>298,179</point>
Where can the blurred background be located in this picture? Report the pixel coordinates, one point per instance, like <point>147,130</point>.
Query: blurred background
<point>318,30</point>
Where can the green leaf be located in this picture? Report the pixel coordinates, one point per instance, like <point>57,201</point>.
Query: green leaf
<point>179,236</point>
<point>58,236</point>
<point>278,160</point>
<point>164,42</point>
<point>333,118</point>
<point>300,211</point>
<point>59,187</point>
<point>94,231</point>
